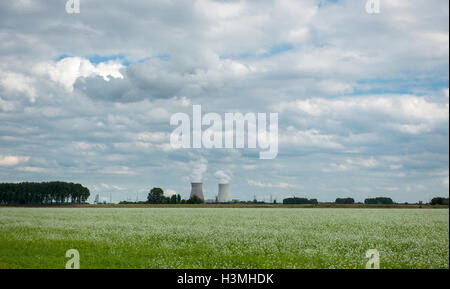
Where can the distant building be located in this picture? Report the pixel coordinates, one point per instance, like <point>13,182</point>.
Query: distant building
<point>224,195</point>
<point>96,200</point>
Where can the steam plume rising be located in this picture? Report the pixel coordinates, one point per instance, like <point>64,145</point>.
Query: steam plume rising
<point>198,171</point>
<point>223,177</point>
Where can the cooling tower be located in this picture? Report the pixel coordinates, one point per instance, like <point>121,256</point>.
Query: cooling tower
<point>224,193</point>
<point>197,190</point>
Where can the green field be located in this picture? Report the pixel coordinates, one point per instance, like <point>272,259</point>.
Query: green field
<point>223,237</point>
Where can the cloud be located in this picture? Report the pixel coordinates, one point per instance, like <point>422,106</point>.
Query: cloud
<point>117,170</point>
<point>309,138</point>
<point>118,188</point>
<point>170,192</point>
<point>12,160</point>
<point>7,105</point>
<point>396,107</point>
<point>155,78</point>
<point>32,169</point>
<point>199,167</point>
<point>14,82</point>
<point>395,167</point>
<point>281,185</point>
<point>352,163</point>
<point>223,177</point>
<point>67,70</point>
<point>340,123</point>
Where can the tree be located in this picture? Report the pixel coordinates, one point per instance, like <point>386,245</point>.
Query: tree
<point>378,201</point>
<point>43,193</point>
<point>295,200</point>
<point>156,196</point>
<point>345,201</point>
<point>195,200</point>
<point>439,201</point>
<point>173,199</point>
<point>313,201</point>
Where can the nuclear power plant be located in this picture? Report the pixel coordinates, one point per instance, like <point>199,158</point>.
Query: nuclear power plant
<point>197,190</point>
<point>224,195</point>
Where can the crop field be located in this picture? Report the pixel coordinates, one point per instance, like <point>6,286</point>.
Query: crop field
<point>223,237</point>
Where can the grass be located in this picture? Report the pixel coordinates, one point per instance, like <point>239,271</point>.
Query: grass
<point>223,238</point>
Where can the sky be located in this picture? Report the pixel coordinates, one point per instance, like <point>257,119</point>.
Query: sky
<point>362,99</point>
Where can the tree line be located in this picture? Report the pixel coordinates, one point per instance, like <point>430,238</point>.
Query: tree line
<point>345,201</point>
<point>378,201</point>
<point>439,201</point>
<point>42,193</point>
<point>302,201</point>
<point>156,196</point>
<point>367,201</point>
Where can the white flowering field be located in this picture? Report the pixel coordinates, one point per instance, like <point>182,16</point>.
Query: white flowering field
<point>223,238</point>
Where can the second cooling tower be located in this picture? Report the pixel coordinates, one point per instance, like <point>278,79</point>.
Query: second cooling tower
<point>224,195</point>
<point>197,190</point>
